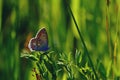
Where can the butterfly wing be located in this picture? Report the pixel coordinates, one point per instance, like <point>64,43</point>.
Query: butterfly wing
<point>32,44</point>
<point>40,42</point>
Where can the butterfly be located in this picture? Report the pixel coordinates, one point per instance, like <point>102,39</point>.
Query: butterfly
<point>39,42</point>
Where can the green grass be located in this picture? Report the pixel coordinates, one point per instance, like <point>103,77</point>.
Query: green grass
<point>59,66</point>
<point>83,39</point>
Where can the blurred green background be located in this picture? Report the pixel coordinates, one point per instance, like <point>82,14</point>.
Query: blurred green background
<point>98,20</point>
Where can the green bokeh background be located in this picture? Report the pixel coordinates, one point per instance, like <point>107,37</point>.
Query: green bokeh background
<point>21,18</point>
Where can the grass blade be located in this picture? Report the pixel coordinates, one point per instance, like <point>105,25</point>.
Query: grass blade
<point>86,51</point>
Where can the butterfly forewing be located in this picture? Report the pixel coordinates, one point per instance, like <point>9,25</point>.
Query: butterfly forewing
<point>42,37</point>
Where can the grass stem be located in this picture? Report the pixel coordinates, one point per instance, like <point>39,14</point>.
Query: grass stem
<point>91,63</point>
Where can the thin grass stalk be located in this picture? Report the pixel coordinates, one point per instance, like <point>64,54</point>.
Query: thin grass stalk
<point>117,37</point>
<point>91,63</point>
<point>108,29</point>
<point>109,35</point>
<point>17,23</point>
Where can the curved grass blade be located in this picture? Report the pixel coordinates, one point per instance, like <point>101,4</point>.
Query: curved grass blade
<point>86,50</point>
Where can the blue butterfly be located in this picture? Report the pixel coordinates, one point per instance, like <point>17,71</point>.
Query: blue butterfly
<point>40,41</point>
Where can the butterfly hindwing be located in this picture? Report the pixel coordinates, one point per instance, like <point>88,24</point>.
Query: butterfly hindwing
<point>32,44</point>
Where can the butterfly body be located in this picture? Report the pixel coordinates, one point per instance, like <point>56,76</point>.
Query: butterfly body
<point>40,41</point>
